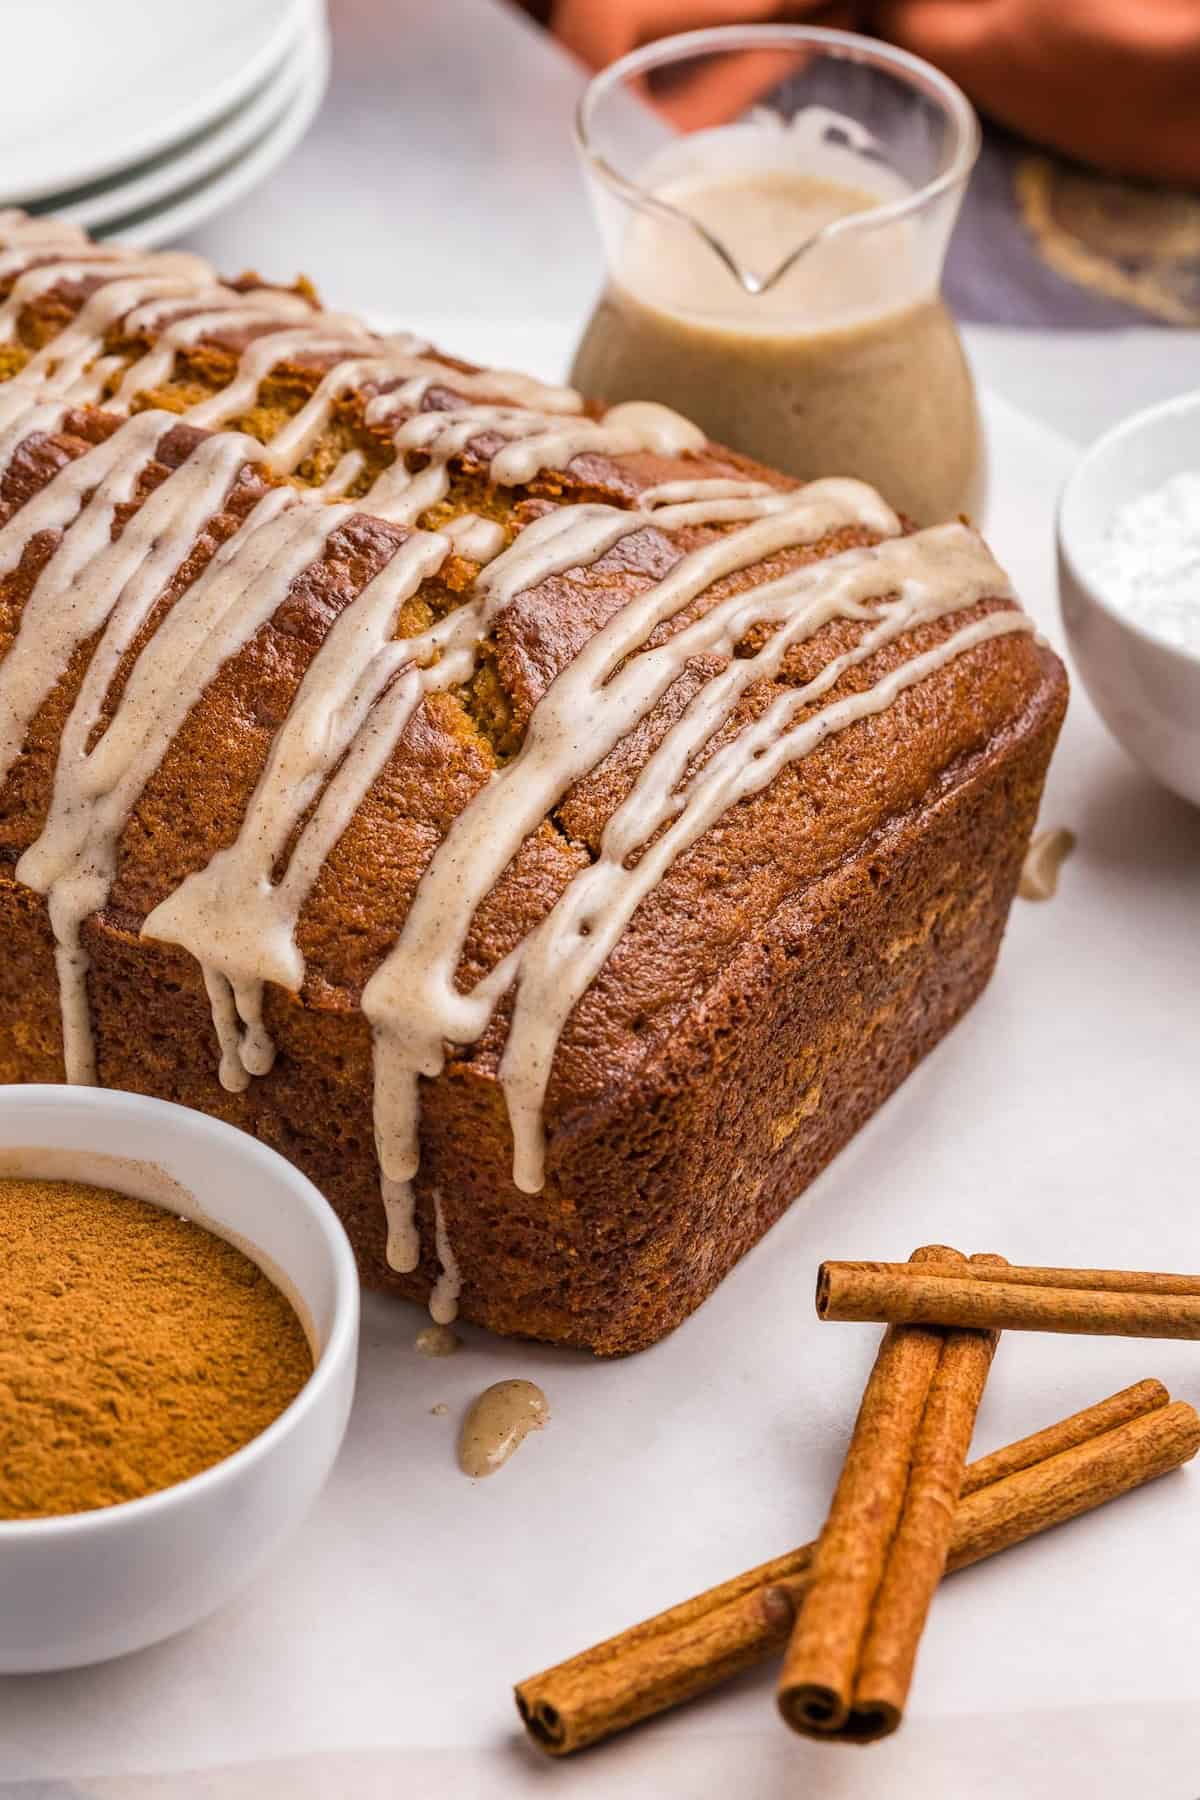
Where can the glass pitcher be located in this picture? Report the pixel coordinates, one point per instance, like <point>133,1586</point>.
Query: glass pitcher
<point>775,267</point>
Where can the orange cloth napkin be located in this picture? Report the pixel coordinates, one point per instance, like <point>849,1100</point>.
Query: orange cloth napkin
<point>1115,83</point>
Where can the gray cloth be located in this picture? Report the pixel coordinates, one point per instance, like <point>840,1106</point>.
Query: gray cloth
<point>995,274</point>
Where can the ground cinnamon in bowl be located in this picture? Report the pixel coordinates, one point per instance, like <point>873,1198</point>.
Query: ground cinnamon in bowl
<point>136,1348</point>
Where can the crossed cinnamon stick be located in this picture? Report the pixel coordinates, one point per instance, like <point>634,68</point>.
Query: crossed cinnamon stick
<point>994,1295</point>
<point>851,1607</point>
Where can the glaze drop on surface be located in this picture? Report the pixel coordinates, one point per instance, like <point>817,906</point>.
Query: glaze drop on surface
<point>1043,861</point>
<point>497,1423</point>
<point>437,1340</point>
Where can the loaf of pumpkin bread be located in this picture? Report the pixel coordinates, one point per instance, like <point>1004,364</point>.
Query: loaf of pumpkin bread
<point>553,832</point>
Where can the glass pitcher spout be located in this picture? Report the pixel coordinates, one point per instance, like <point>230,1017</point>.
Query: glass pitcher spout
<point>775,271</point>
<point>814,137</point>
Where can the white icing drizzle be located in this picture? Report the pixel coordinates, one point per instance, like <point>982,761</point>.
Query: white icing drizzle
<point>157,316</point>
<point>112,266</point>
<point>74,859</point>
<point>538,440</point>
<point>412,1000</point>
<point>940,572</point>
<point>418,375</point>
<point>668,493</point>
<point>70,365</point>
<point>219,309</point>
<point>1043,862</point>
<point>75,347</point>
<point>262,354</point>
<point>343,476</point>
<point>363,686</point>
<point>70,599</point>
<point>20,422</point>
<point>351,709</point>
<point>58,367</point>
<point>119,587</point>
<point>18,227</point>
<point>156,285</point>
<point>542,425</point>
<point>443,1302</point>
<point>237,923</point>
<point>479,540</point>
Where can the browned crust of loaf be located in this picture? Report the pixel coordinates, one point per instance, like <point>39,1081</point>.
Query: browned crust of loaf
<point>752,979</point>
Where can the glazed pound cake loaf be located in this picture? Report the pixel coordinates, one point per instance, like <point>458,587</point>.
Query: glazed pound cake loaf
<point>553,832</point>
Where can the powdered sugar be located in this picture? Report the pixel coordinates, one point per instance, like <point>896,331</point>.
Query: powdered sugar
<point>1148,562</point>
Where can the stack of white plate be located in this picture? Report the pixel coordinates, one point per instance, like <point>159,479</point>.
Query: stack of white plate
<point>138,121</point>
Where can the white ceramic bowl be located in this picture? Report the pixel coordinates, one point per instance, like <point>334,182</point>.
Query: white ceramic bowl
<point>87,1586</point>
<point>1146,690</point>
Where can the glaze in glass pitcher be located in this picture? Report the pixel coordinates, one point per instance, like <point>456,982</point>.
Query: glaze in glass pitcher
<point>775,272</point>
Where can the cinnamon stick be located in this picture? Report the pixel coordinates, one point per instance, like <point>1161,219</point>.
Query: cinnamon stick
<point>883,1549</point>
<point>1099,1302</point>
<point>1074,1482</point>
<point>1042,1480</point>
<point>1067,1434</point>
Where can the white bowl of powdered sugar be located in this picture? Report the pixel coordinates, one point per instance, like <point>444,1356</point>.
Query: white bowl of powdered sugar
<point>1129,583</point>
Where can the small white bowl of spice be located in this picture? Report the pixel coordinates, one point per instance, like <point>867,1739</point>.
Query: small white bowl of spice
<point>178,1336</point>
<point>1129,585</point>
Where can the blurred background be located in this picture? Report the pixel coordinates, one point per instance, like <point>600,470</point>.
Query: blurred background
<point>1084,209</point>
<point>425,172</point>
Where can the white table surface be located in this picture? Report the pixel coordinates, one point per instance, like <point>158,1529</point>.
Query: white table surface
<point>1057,1124</point>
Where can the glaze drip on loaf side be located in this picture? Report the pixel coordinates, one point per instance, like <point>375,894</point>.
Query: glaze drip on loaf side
<point>139,320</point>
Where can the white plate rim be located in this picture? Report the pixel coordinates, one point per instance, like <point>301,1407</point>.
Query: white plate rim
<point>217,148</point>
<point>141,144</point>
<point>174,219</point>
